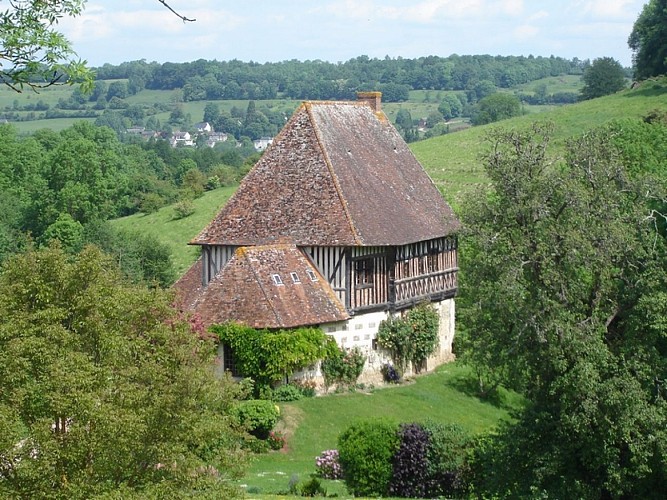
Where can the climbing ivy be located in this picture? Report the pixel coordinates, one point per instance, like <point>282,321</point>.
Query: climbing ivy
<point>268,356</point>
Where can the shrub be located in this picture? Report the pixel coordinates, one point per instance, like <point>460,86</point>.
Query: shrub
<point>390,374</point>
<point>327,465</point>
<point>276,440</point>
<point>365,453</point>
<point>412,338</point>
<point>258,416</point>
<point>184,208</point>
<point>448,460</point>
<point>307,387</point>
<point>312,488</point>
<point>410,476</point>
<point>286,393</point>
<point>343,367</point>
<point>256,445</point>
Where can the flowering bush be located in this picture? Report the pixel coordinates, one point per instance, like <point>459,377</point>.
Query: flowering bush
<point>390,374</point>
<point>344,367</point>
<point>276,440</point>
<point>328,466</point>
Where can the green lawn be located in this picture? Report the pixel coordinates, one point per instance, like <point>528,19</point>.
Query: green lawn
<point>178,232</point>
<point>313,424</point>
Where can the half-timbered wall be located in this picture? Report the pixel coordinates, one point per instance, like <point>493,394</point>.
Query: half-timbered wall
<point>331,263</point>
<point>214,258</point>
<point>425,269</point>
<point>369,277</point>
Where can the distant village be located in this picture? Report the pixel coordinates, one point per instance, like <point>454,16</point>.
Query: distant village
<point>203,131</point>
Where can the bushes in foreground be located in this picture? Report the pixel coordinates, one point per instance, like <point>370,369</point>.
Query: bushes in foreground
<point>409,460</point>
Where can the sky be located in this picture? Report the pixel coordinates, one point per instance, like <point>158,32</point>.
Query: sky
<point>116,31</point>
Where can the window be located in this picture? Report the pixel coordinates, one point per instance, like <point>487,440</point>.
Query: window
<point>433,260</point>
<point>363,272</point>
<point>277,280</point>
<point>295,277</point>
<point>229,362</point>
<point>311,274</point>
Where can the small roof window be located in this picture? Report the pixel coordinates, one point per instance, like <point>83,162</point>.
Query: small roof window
<point>311,275</point>
<point>295,277</point>
<point>277,280</point>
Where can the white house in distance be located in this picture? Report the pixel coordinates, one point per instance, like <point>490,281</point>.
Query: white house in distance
<point>336,226</point>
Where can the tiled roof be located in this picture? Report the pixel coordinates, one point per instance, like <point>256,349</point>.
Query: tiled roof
<point>189,286</point>
<point>245,291</point>
<point>337,174</point>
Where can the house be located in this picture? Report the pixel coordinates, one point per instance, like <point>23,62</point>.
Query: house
<point>180,139</point>
<point>337,225</point>
<point>215,137</point>
<point>262,143</point>
<point>203,127</point>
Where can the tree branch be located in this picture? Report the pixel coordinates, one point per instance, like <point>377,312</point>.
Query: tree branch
<point>185,19</point>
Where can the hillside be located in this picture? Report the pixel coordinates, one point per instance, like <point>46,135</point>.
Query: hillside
<point>451,160</point>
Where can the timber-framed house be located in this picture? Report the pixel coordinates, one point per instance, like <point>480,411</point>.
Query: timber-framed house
<point>337,225</point>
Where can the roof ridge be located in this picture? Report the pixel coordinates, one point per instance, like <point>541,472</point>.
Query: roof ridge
<point>242,251</point>
<point>332,172</point>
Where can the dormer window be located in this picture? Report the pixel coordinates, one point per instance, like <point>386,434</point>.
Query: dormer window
<point>311,274</point>
<point>295,278</point>
<point>277,280</point>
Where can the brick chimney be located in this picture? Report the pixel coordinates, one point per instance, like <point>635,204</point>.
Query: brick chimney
<point>374,99</point>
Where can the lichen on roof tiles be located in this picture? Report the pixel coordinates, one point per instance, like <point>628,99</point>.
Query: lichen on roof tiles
<point>336,175</point>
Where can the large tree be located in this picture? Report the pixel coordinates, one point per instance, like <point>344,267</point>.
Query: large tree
<point>604,76</point>
<point>495,107</point>
<point>562,285</point>
<point>648,40</point>
<point>103,389</point>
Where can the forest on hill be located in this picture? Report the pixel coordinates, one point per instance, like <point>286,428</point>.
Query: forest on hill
<point>394,77</point>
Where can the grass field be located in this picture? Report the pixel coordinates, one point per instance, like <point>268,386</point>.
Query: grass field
<point>453,160</point>
<point>313,425</point>
<point>176,233</point>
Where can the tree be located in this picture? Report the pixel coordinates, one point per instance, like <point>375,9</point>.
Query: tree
<point>33,50</point>
<point>103,389</point>
<point>648,40</point>
<point>604,76</point>
<point>495,107</point>
<point>564,274</point>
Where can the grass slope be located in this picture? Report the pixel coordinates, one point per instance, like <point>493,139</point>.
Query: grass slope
<point>176,233</point>
<point>453,160</point>
<point>312,425</point>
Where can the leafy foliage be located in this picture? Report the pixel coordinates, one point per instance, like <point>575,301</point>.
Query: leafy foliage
<point>389,373</point>
<point>269,356</point>
<point>495,107</point>
<point>34,52</point>
<point>410,465</point>
<point>343,367</point>
<point>103,389</point>
<point>448,460</point>
<point>258,416</point>
<point>647,40</point>
<point>604,76</point>
<point>286,392</point>
<point>561,261</point>
<point>365,453</point>
<point>411,338</point>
